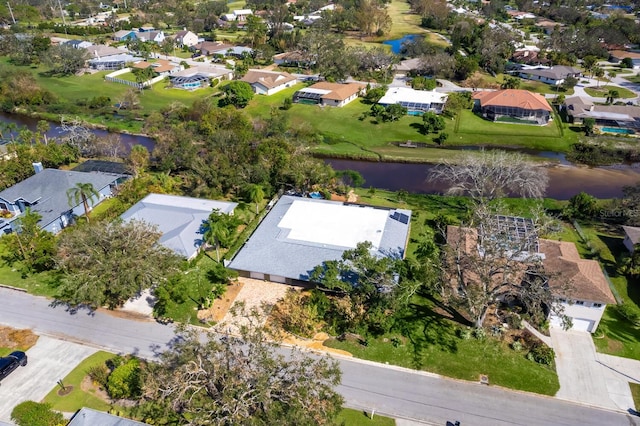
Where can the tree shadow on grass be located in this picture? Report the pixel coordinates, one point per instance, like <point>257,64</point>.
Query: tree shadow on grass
<point>619,328</point>
<point>426,328</point>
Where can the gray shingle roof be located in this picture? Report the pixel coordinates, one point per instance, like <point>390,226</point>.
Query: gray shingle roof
<point>180,219</point>
<point>277,250</point>
<point>88,417</point>
<point>49,189</point>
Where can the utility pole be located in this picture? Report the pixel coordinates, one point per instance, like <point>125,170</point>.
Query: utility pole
<point>11,12</point>
<point>64,22</point>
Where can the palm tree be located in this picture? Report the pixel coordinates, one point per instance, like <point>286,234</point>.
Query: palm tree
<point>612,96</point>
<point>218,230</point>
<point>255,193</point>
<point>598,73</point>
<point>82,192</point>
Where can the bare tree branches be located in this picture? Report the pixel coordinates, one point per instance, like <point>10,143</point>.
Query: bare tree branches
<point>488,175</point>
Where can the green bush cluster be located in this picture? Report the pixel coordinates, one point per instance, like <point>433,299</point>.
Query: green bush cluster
<point>125,382</point>
<point>31,413</point>
<point>541,353</point>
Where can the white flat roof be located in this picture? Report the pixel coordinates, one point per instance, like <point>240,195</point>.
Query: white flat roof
<point>406,94</point>
<point>333,224</point>
<point>317,91</point>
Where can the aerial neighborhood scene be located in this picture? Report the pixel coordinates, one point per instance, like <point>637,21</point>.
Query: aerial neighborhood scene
<point>319,212</point>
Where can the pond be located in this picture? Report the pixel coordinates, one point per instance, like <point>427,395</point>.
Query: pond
<point>396,45</point>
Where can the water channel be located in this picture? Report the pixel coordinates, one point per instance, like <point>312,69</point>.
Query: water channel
<point>565,180</point>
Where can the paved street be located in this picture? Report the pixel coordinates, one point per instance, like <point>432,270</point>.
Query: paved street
<point>389,390</point>
<point>48,361</point>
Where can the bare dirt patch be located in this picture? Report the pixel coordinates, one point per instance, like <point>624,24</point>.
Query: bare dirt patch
<point>88,385</point>
<point>221,306</point>
<point>17,339</point>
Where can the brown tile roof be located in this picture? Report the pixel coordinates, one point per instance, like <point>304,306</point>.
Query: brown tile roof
<point>577,278</point>
<point>513,98</point>
<point>339,92</point>
<point>621,54</point>
<point>267,78</point>
<point>160,65</point>
<point>583,278</point>
<point>633,233</point>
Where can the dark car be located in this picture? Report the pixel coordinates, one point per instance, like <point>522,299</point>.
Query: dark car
<point>11,362</point>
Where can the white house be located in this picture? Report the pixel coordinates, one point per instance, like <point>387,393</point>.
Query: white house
<point>616,56</point>
<point>154,36</point>
<point>554,75</point>
<point>329,94</point>
<point>268,82</point>
<point>186,38</point>
<point>238,15</point>
<point>631,237</point>
<point>417,102</point>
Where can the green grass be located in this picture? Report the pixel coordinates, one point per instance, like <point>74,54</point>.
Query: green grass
<point>603,91</point>
<point>403,21</point>
<point>635,391</point>
<point>37,284</point>
<point>433,345</point>
<point>78,398</point>
<point>633,79</point>
<point>350,417</point>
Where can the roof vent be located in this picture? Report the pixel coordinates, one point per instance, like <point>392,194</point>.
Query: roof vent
<point>37,167</point>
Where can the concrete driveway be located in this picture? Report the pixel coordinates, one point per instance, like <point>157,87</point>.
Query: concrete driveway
<point>583,375</point>
<point>49,361</point>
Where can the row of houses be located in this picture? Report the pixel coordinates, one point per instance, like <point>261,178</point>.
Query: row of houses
<point>298,234</point>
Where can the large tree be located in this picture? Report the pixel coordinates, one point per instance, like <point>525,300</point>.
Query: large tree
<point>487,175</point>
<point>220,230</point>
<point>206,380</point>
<point>238,94</point>
<point>30,244</point>
<point>65,60</point>
<point>108,263</point>
<point>486,263</point>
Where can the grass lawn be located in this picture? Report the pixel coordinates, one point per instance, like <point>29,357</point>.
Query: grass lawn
<point>347,135</point>
<point>350,417</point>
<point>635,391</point>
<point>433,346</point>
<point>603,91</point>
<point>633,79</point>
<point>78,398</point>
<point>403,21</point>
<point>37,284</point>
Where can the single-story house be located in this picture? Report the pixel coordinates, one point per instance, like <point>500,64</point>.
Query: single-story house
<point>124,35</point>
<point>513,104</point>
<point>160,66</point>
<point>238,15</point>
<point>616,56</point>
<point>577,284</point>
<point>299,234</point>
<point>102,50</point>
<point>90,417</point>
<point>153,36</point>
<point>186,38</point>
<point>528,57</point>
<point>548,26</point>
<point>417,102</point>
<point>618,118</point>
<point>631,237</point>
<point>199,76</point>
<point>292,59</point>
<point>554,75</point>
<point>46,193</point>
<point>230,50</point>
<point>268,82</point>
<point>112,62</point>
<point>180,219</point>
<point>78,44</point>
<point>406,66</point>
<point>329,94</point>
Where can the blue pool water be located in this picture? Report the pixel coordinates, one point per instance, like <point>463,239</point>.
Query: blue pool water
<point>617,130</point>
<point>396,45</point>
<point>316,195</point>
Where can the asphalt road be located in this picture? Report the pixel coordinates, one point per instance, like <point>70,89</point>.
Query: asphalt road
<point>388,390</point>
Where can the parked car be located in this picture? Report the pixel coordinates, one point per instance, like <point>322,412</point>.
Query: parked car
<point>11,362</point>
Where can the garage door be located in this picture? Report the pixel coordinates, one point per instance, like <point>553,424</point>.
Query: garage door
<point>580,324</point>
<point>256,275</point>
<point>277,279</point>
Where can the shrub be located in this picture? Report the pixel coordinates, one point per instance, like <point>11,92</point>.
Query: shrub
<point>541,353</point>
<point>516,346</point>
<point>287,103</point>
<point>479,333</point>
<point>465,333</point>
<point>31,413</point>
<point>124,381</point>
<point>514,321</point>
<point>99,374</point>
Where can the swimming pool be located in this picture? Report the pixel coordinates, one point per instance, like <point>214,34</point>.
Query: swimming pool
<point>618,130</point>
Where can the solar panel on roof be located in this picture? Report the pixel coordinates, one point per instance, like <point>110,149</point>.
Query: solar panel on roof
<point>404,218</point>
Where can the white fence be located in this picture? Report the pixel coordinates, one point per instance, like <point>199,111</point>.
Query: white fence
<point>112,77</point>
